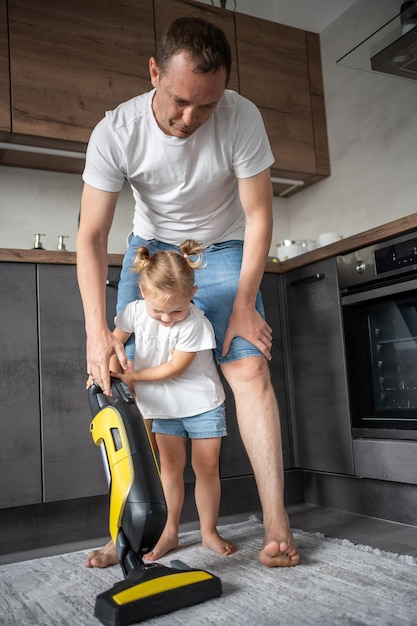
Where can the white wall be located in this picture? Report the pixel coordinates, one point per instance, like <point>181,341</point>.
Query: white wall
<point>372,127</point>
<point>33,201</point>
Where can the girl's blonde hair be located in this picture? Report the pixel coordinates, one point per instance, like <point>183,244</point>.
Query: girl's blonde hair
<point>168,270</point>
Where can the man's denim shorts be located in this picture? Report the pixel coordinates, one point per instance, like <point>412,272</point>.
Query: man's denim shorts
<point>204,426</point>
<point>217,285</point>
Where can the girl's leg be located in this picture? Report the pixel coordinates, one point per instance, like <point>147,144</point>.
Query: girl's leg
<point>205,462</point>
<point>172,457</point>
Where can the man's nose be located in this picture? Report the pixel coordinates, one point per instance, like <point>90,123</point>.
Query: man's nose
<point>189,116</point>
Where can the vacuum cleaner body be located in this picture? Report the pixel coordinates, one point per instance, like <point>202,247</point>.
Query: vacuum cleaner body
<point>137,517</point>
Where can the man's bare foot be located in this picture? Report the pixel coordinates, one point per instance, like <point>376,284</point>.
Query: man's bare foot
<point>103,557</point>
<point>279,554</point>
<point>168,542</point>
<point>218,544</point>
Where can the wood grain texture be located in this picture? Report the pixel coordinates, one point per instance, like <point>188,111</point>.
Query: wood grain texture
<point>274,73</point>
<point>71,61</point>
<point>5,121</point>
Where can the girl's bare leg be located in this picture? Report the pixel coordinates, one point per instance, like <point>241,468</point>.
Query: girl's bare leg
<point>172,454</point>
<point>205,462</point>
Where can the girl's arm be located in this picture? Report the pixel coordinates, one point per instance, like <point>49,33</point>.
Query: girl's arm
<point>179,363</point>
<point>114,361</point>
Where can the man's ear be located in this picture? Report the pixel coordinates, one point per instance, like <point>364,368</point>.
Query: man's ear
<point>154,71</point>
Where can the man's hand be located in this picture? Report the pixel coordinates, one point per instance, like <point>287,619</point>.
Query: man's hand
<point>100,348</point>
<point>250,325</point>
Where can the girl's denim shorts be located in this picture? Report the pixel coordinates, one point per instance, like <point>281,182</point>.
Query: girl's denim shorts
<point>217,285</point>
<point>204,426</point>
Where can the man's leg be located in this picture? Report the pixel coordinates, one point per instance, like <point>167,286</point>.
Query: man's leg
<point>259,425</point>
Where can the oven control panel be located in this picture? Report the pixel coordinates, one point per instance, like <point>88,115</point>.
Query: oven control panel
<point>396,256</point>
<point>385,259</point>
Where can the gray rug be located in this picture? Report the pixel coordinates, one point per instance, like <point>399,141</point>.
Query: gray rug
<point>338,583</point>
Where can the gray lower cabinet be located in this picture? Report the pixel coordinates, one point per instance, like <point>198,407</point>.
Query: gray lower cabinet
<point>47,453</point>
<point>20,449</point>
<point>72,464</point>
<point>320,410</point>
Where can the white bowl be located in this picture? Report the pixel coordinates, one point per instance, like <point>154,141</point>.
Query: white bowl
<point>325,239</point>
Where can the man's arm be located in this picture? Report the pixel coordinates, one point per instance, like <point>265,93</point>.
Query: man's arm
<point>96,216</point>
<point>256,197</point>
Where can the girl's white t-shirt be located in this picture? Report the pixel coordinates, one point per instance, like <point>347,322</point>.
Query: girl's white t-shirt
<point>183,188</point>
<point>199,388</point>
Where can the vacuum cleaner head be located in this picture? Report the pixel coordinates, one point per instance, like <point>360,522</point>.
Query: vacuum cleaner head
<point>155,590</point>
<point>137,518</point>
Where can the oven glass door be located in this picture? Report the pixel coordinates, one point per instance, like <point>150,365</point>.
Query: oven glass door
<point>381,352</point>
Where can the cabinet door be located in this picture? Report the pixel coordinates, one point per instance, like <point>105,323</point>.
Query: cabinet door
<point>71,61</point>
<point>73,466</point>
<point>20,449</point>
<point>320,408</point>
<point>280,71</point>
<point>166,11</point>
<point>5,122</point>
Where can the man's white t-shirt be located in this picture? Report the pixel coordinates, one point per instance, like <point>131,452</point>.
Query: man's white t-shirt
<point>183,188</point>
<point>199,388</point>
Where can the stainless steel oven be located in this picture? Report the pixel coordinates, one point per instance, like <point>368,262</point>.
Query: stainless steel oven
<point>378,287</point>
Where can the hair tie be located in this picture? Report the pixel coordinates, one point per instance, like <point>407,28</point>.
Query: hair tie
<point>185,256</point>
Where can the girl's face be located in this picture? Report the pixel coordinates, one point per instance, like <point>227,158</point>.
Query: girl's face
<point>166,312</point>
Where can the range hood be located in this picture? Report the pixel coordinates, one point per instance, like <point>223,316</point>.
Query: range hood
<point>392,49</point>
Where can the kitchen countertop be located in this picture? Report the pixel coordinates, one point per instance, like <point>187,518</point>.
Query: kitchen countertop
<point>355,242</point>
<point>55,257</point>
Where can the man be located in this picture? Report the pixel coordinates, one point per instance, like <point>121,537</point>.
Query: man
<point>197,158</point>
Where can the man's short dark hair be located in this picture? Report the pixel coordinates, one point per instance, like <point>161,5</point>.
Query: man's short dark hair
<point>205,43</point>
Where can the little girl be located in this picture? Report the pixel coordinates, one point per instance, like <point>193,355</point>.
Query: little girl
<point>177,386</point>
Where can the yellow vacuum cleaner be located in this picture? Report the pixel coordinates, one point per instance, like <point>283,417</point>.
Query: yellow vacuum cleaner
<point>137,518</point>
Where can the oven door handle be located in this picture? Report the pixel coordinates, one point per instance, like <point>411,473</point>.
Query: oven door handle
<point>307,279</point>
<point>380,292</point>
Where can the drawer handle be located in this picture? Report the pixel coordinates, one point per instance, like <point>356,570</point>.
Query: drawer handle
<point>308,279</point>
<point>112,283</point>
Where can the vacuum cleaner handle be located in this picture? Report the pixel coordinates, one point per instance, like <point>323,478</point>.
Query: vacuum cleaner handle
<point>96,399</point>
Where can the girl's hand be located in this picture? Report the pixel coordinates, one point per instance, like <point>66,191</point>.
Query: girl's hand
<point>128,378</point>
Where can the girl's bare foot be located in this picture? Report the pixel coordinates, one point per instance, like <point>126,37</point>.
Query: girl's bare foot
<point>168,542</point>
<point>215,542</point>
<point>279,554</point>
<point>103,557</point>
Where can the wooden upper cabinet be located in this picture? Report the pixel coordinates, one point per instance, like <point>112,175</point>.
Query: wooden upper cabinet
<point>280,71</point>
<point>166,11</point>
<point>5,120</point>
<point>72,61</point>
